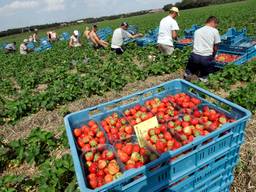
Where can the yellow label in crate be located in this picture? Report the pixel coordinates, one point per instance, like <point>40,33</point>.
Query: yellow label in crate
<point>142,128</point>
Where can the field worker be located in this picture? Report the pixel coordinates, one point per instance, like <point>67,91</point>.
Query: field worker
<point>168,32</point>
<point>119,35</point>
<point>35,36</point>
<point>30,38</point>
<point>95,40</point>
<point>23,47</point>
<point>206,40</point>
<point>86,32</point>
<point>74,40</point>
<point>10,48</point>
<point>52,36</point>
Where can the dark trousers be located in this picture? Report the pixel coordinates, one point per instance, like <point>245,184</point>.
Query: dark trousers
<point>118,51</point>
<point>200,65</point>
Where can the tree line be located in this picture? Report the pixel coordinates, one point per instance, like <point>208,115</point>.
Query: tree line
<point>188,4</point>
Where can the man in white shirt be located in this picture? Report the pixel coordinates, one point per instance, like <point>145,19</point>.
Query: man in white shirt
<point>74,40</point>
<point>168,32</point>
<point>206,40</point>
<point>10,48</point>
<point>119,35</point>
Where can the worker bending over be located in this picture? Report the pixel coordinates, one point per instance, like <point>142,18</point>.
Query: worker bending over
<point>95,40</point>
<point>74,40</point>
<point>119,35</point>
<point>10,47</point>
<point>206,40</point>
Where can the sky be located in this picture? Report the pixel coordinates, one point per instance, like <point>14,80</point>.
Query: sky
<point>21,13</point>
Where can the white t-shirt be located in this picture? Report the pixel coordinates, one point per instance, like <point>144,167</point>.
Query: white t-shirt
<point>167,25</point>
<point>75,41</point>
<point>118,38</point>
<point>204,40</point>
<point>23,49</point>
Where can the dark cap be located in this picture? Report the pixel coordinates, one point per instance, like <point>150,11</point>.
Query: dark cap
<point>124,24</point>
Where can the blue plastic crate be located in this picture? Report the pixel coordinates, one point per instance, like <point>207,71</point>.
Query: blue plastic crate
<point>200,153</point>
<point>132,29</point>
<point>243,57</point>
<point>31,45</point>
<point>189,33</point>
<point>233,36</point>
<point>149,39</point>
<point>212,177</point>
<point>65,36</point>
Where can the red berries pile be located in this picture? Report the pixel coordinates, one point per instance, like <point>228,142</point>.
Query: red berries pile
<point>102,166</point>
<point>137,114</point>
<point>161,139</point>
<point>89,136</point>
<point>132,155</point>
<point>117,128</point>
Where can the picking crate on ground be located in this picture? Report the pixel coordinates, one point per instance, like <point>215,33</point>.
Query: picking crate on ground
<point>44,45</point>
<point>187,39</point>
<point>233,36</point>
<point>204,165</point>
<point>149,39</point>
<point>104,33</point>
<point>241,50</point>
<point>65,36</point>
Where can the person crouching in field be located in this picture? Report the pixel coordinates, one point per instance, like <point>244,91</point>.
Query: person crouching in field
<point>119,35</point>
<point>74,40</point>
<point>206,40</point>
<point>168,32</point>
<point>10,48</point>
<point>94,39</point>
<point>52,36</point>
<point>24,50</point>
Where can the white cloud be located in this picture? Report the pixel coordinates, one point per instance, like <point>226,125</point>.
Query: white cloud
<point>11,8</point>
<point>55,5</point>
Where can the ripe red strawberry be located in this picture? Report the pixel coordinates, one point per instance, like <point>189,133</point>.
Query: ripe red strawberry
<point>123,156</point>
<point>93,168</point>
<point>129,129</point>
<point>167,136</point>
<point>110,155</point>
<point>128,148</point>
<point>77,132</point>
<point>136,148</point>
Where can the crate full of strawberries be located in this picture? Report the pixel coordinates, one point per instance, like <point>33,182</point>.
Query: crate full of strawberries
<point>163,136</point>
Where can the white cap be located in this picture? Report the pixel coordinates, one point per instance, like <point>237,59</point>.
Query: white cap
<point>175,9</point>
<point>76,32</point>
<point>25,41</point>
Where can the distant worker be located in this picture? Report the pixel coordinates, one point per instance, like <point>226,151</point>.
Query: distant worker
<point>52,36</point>
<point>10,48</point>
<point>119,35</point>
<point>74,40</point>
<point>35,36</point>
<point>30,38</point>
<point>95,39</point>
<point>206,40</point>
<point>23,47</point>
<point>87,32</point>
<point>168,32</point>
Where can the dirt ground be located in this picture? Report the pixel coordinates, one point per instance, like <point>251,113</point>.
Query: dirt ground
<point>245,174</point>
